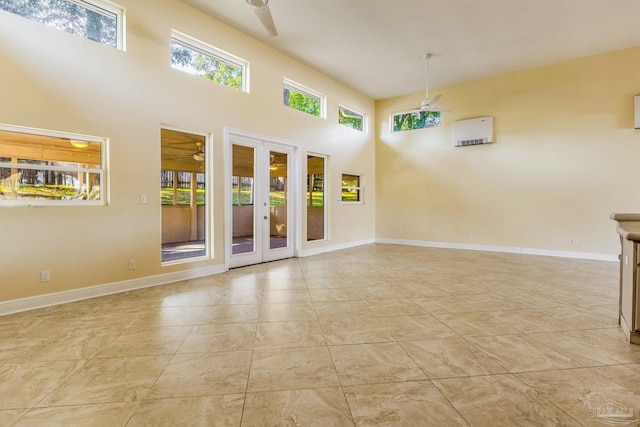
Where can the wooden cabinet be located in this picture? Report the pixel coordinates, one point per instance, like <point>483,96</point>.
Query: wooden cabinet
<point>629,230</point>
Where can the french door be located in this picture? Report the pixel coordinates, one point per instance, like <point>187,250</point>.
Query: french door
<point>261,200</point>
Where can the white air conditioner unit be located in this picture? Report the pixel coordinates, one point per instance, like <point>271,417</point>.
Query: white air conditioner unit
<point>473,132</point>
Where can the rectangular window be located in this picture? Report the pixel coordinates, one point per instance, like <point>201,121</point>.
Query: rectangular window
<point>203,60</point>
<point>39,167</point>
<point>416,120</point>
<point>351,188</point>
<point>304,99</point>
<point>350,118</point>
<point>96,20</point>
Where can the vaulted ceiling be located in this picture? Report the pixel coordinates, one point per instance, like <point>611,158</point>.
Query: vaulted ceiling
<point>376,46</point>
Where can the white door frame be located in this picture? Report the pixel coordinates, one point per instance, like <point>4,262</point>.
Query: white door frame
<point>294,202</point>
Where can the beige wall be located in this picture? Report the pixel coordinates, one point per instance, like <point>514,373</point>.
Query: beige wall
<point>57,81</point>
<point>565,156</point>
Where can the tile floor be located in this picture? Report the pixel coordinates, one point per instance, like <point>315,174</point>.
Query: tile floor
<point>375,335</point>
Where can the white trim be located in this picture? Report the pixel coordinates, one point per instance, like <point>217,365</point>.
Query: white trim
<point>40,301</point>
<point>324,249</point>
<point>502,249</point>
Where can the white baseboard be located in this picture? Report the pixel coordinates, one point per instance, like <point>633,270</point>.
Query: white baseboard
<point>47,300</point>
<point>503,249</point>
<point>331,248</point>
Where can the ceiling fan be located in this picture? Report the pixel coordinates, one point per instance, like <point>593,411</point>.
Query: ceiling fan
<point>199,155</point>
<point>429,104</point>
<point>262,11</point>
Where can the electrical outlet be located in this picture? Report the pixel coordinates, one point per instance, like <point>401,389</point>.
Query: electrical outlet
<point>143,199</point>
<point>132,264</point>
<point>574,241</point>
<point>45,276</point>
<point>469,236</point>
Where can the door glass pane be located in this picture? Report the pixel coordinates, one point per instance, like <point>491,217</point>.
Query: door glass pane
<point>242,197</point>
<point>315,198</point>
<point>182,191</point>
<point>278,167</point>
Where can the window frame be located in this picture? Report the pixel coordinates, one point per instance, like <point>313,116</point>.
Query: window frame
<point>399,113</point>
<point>352,111</point>
<point>102,7</point>
<point>212,52</point>
<point>325,196</point>
<point>102,171</point>
<point>310,93</point>
<point>359,188</point>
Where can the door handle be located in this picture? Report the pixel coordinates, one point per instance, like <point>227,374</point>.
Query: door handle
<point>266,217</point>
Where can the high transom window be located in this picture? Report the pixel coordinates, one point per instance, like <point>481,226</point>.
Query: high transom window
<point>415,120</point>
<point>303,98</point>
<point>97,20</point>
<point>206,61</point>
<point>350,118</point>
<point>39,167</point>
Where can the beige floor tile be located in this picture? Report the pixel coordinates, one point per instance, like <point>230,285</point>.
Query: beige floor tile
<point>203,374</point>
<point>580,391</point>
<point>357,330</point>
<point>237,313</point>
<point>110,380</point>
<point>501,400</point>
<point>528,321</point>
<point>285,295</point>
<point>319,407</point>
<point>287,312</point>
<point>592,347</point>
<point>381,309</point>
<point>168,316</point>
<point>333,294</point>
<point>165,340</point>
<point>378,292</point>
<point>446,358</point>
<point>22,385</point>
<point>521,353</point>
<point>412,403</point>
<point>374,363</point>
<point>205,411</point>
<point>191,298</point>
<point>291,368</point>
<point>475,324</point>
<point>414,328</point>
<point>272,335</point>
<point>394,307</point>
<point>342,310</point>
<point>580,317</point>
<point>104,414</point>
<point>444,304</point>
<point>219,337</point>
<point>10,416</point>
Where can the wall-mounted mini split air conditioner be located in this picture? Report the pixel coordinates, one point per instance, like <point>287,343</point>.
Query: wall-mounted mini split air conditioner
<point>473,132</point>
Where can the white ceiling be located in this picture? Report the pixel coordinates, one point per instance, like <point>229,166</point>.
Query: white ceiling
<point>376,46</point>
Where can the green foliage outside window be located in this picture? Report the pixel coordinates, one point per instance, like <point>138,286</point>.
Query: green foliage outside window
<point>301,101</point>
<point>350,119</point>
<point>195,62</point>
<point>69,16</point>
<point>416,120</point>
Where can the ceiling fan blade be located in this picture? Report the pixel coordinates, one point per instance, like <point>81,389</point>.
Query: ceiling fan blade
<point>264,16</point>
<point>435,99</point>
